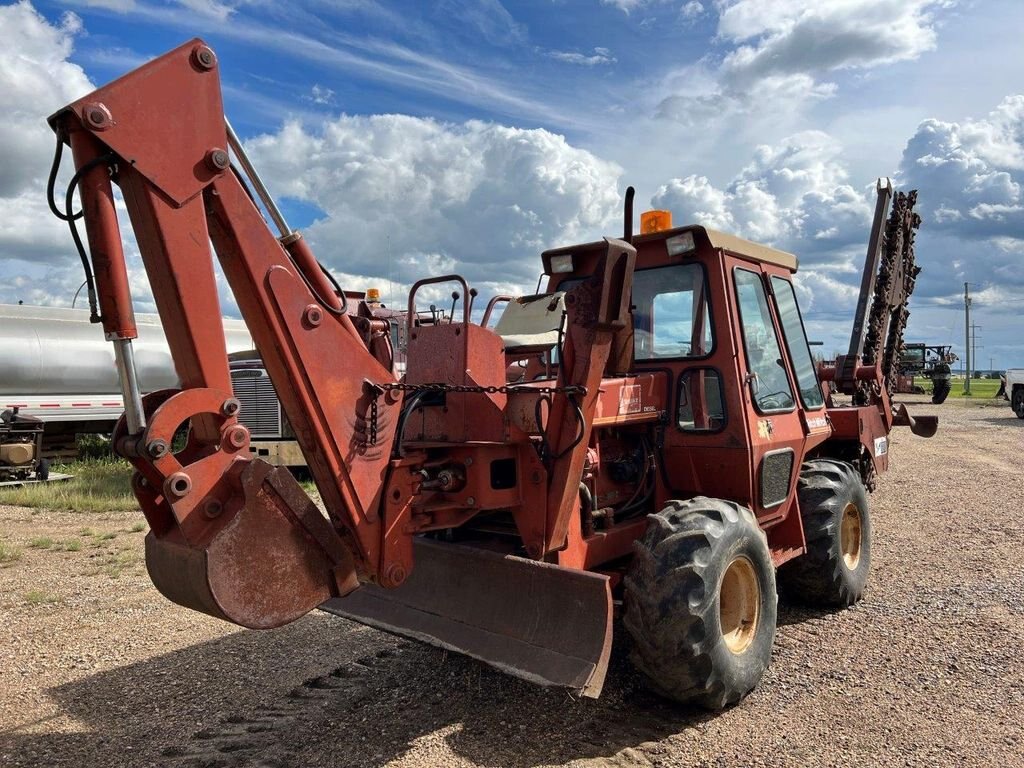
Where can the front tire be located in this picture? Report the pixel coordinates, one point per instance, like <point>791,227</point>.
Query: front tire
<point>837,528</point>
<point>940,391</point>
<point>1018,402</point>
<point>701,602</point>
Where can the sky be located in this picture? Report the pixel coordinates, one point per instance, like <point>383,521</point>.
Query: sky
<point>408,139</point>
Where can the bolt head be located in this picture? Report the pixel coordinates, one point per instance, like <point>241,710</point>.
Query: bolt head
<point>217,159</point>
<point>238,436</point>
<point>231,406</point>
<point>313,315</point>
<point>97,116</point>
<point>471,501</point>
<point>157,448</point>
<point>394,575</point>
<point>204,58</point>
<point>212,508</point>
<point>178,485</point>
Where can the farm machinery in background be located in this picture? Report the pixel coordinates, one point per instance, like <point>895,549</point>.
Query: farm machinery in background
<point>663,441</point>
<point>21,448</point>
<point>931,362</point>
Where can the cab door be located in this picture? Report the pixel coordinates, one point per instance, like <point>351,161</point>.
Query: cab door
<point>774,421</point>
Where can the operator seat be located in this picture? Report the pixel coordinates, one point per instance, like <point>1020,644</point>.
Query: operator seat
<point>532,325</point>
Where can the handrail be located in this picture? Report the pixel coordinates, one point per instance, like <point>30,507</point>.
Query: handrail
<point>490,308</point>
<point>411,317</point>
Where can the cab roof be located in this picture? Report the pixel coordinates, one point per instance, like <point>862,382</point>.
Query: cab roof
<point>703,237</point>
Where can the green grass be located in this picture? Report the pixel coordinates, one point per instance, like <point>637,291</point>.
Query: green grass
<point>68,545</point>
<point>42,542</point>
<point>39,597</point>
<point>9,555</point>
<point>138,528</point>
<point>99,485</point>
<point>980,388</point>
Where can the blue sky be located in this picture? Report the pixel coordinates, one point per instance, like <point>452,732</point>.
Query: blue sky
<point>468,135</point>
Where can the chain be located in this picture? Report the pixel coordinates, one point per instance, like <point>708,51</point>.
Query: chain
<point>504,389</point>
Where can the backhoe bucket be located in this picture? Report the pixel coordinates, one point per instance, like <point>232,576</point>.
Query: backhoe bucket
<point>540,622</point>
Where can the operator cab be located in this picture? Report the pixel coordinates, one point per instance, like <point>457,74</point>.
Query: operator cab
<point>715,319</point>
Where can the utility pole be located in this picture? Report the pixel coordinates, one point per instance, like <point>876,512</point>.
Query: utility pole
<point>991,364</point>
<point>967,338</point>
<point>974,344</point>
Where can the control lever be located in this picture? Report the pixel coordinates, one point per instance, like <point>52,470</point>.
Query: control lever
<point>455,298</point>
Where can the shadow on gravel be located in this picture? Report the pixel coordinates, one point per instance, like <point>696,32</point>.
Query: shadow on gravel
<point>234,702</point>
<point>791,613</point>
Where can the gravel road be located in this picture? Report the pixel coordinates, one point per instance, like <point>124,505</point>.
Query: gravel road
<point>96,669</point>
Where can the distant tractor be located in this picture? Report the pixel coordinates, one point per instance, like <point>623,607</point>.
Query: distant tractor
<point>930,362</point>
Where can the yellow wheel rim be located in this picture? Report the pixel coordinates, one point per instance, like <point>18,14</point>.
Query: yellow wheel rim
<point>851,536</point>
<point>739,604</point>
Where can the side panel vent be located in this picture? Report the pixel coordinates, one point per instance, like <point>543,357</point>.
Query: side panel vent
<point>776,471</point>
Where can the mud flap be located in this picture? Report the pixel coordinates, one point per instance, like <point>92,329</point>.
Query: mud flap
<point>540,622</point>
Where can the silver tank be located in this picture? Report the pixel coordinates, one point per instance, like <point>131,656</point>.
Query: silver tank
<point>57,351</point>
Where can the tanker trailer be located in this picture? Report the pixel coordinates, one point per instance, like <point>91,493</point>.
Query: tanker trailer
<point>56,366</point>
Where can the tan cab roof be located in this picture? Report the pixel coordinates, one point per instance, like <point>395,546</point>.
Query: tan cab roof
<point>743,247</point>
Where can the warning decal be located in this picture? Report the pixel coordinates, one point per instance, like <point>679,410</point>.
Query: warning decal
<point>629,399</point>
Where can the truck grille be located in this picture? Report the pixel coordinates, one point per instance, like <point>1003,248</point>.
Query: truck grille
<point>261,410</point>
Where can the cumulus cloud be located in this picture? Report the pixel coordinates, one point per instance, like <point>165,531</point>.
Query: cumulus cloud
<point>36,78</point>
<point>794,195</point>
<point>431,197</point>
<point>973,172</point>
<point>970,175</point>
<point>814,37</point>
<point>782,53</point>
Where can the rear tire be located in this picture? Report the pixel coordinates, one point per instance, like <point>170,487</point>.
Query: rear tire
<point>43,470</point>
<point>940,391</point>
<point>701,603</point>
<point>837,528</point>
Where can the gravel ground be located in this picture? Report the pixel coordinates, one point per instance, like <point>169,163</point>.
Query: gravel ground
<point>96,669</point>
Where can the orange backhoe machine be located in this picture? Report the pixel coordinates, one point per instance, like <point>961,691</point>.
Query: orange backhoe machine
<point>650,429</point>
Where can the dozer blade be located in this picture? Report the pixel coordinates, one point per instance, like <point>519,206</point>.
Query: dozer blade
<point>540,622</point>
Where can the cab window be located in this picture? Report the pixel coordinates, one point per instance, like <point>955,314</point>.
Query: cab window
<point>671,316</point>
<point>796,344</point>
<point>701,401</point>
<point>770,385</point>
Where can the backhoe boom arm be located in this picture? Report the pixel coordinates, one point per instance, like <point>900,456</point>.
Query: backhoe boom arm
<point>210,505</point>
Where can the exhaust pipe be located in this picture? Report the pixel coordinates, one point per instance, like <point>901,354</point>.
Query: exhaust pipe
<point>627,224</point>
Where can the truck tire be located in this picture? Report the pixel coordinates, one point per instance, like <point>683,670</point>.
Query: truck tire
<point>1017,401</point>
<point>940,391</point>
<point>43,470</point>
<point>700,602</point>
<point>837,528</point>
